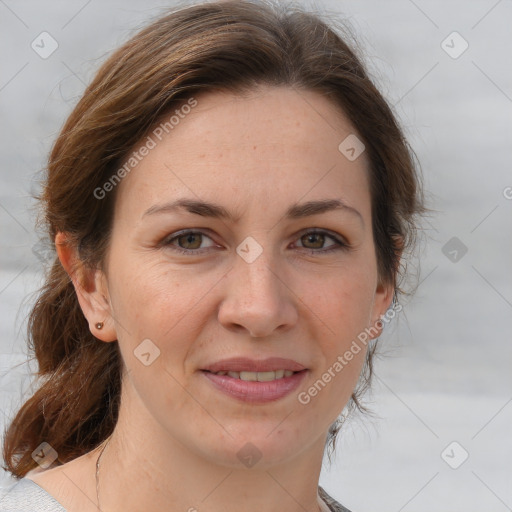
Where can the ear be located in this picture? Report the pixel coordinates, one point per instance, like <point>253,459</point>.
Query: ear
<point>91,288</point>
<point>385,292</point>
<point>382,302</point>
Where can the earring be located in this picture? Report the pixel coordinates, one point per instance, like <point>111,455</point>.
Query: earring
<point>99,325</point>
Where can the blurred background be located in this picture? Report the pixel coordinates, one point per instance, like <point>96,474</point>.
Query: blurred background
<point>440,436</point>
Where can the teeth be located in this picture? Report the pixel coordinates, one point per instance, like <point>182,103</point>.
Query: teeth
<point>258,376</point>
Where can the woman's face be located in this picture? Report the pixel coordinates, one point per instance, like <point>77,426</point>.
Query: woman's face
<point>190,287</point>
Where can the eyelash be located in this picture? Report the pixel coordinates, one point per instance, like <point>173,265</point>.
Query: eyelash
<point>339,244</point>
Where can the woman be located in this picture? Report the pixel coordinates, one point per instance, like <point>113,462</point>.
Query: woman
<point>229,202</point>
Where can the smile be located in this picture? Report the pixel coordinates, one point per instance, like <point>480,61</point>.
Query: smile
<point>255,387</point>
<point>257,376</point>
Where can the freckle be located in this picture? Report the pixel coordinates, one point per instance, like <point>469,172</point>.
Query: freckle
<point>254,147</point>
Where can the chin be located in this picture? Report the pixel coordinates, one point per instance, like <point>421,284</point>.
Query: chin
<point>253,448</point>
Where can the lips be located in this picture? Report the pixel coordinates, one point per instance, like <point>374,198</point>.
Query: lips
<point>257,376</point>
<point>255,392</point>
<point>255,381</point>
<point>244,364</point>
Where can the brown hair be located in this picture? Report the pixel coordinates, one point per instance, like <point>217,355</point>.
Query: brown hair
<point>231,45</point>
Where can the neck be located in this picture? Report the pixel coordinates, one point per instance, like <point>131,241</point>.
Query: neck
<point>168,476</point>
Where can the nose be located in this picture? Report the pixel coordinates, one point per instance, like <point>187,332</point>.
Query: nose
<point>258,297</point>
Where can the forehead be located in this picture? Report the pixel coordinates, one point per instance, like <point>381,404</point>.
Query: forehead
<point>269,146</point>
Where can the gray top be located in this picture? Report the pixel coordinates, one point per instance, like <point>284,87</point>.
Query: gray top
<point>26,496</point>
<point>333,505</point>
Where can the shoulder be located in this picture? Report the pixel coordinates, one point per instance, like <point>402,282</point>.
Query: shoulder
<point>26,496</point>
<point>333,505</point>
<point>71,485</point>
<point>52,490</point>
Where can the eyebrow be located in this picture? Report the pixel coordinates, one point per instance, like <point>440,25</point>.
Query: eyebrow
<point>208,209</point>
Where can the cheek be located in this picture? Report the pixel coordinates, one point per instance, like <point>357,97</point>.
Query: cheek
<point>345,309</point>
<point>344,303</point>
<point>149,296</point>
<point>168,307</point>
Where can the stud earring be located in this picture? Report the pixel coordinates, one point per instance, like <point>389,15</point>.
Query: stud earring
<point>99,325</point>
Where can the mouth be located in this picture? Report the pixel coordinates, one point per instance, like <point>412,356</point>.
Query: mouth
<point>249,376</point>
<point>255,381</point>
<point>246,366</point>
<point>255,387</point>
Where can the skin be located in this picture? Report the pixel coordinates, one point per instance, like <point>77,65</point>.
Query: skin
<point>177,438</point>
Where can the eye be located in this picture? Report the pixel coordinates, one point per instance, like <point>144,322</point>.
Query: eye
<point>189,242</point>
<point>314,240</point>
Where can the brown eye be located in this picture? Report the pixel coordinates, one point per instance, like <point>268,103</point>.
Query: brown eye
<point>315,239</point>
<point>190,240</point>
